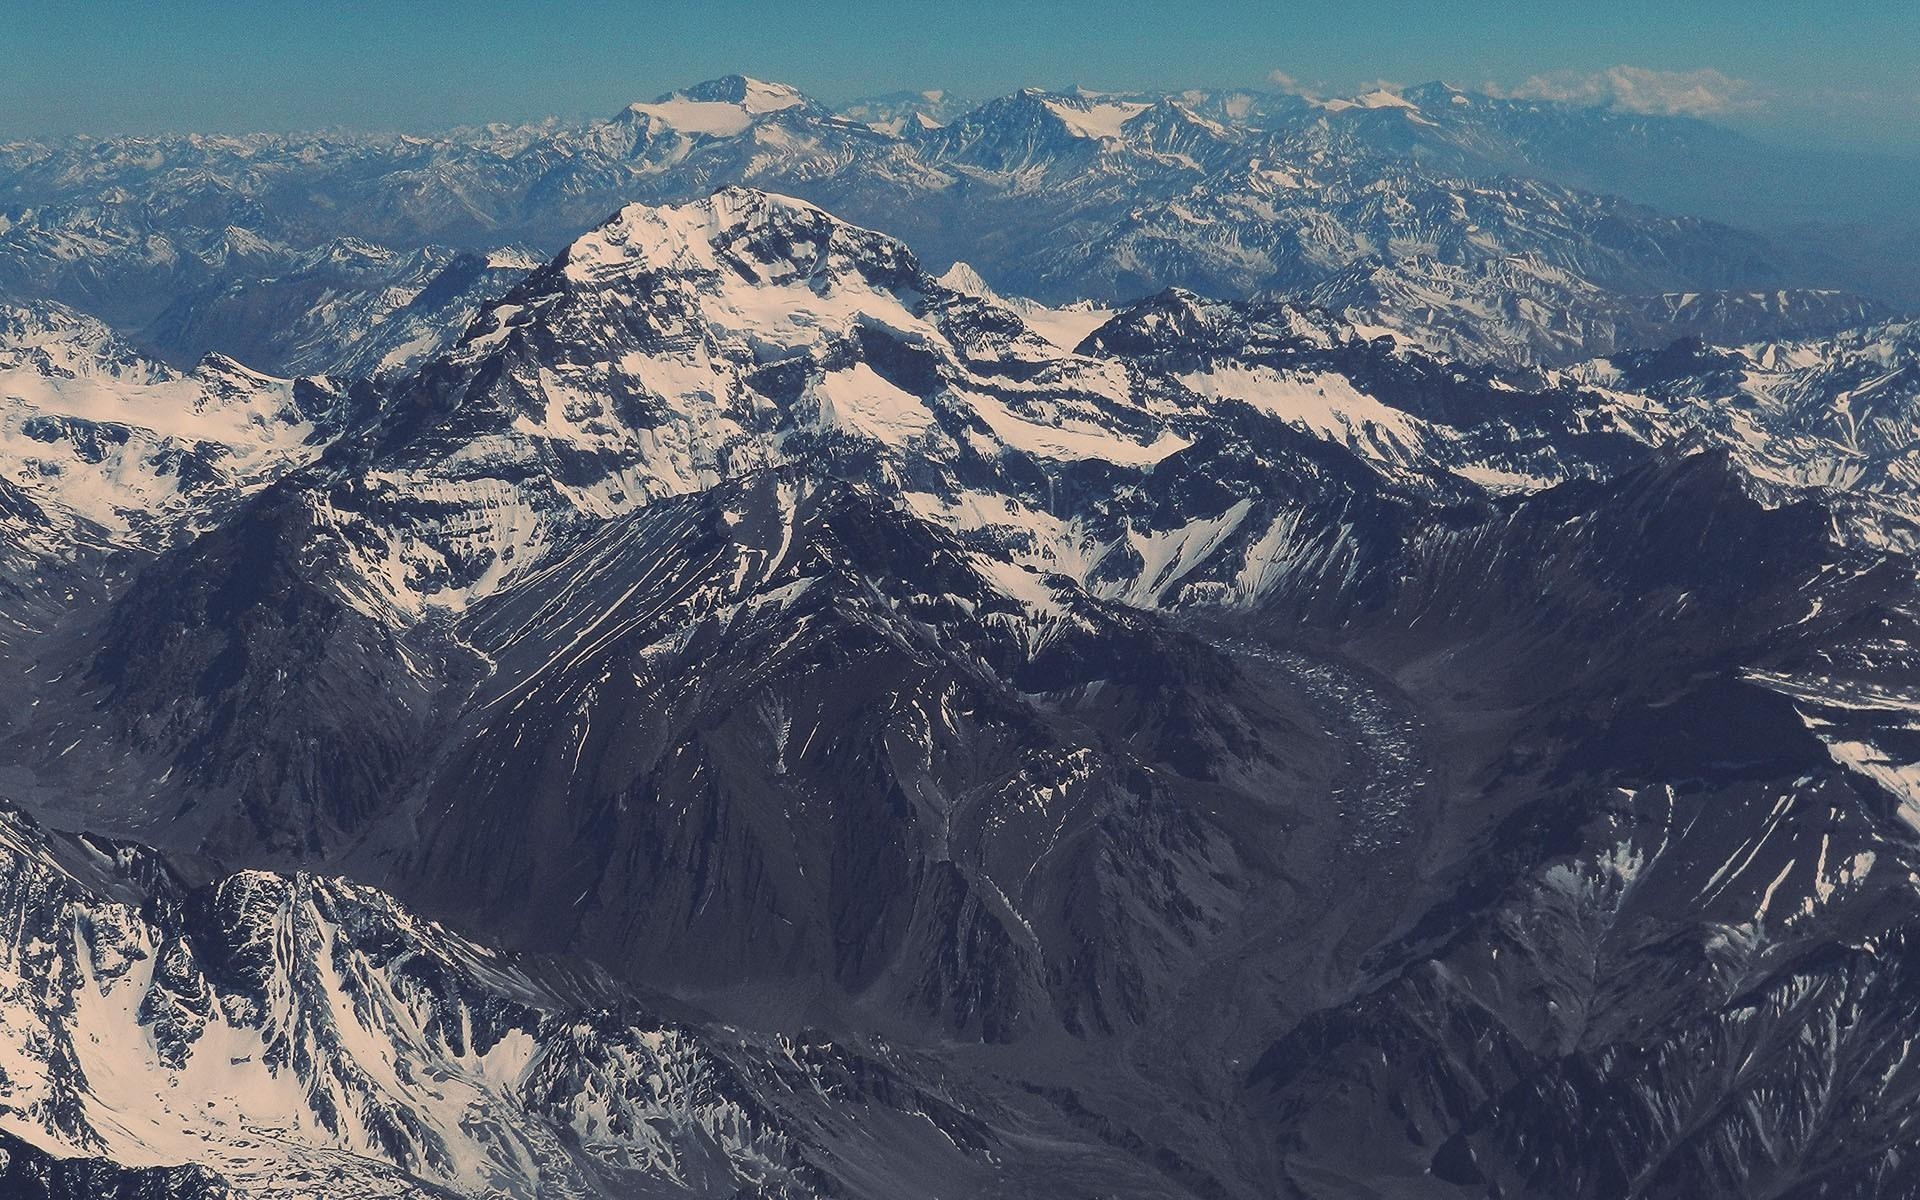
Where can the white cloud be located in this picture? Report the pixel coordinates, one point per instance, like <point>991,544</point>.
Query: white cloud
<point>1288,83</point>
<point>1702,93</point>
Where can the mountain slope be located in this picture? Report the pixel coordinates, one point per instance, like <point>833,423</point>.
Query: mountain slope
<point>281,1031</point>
<point>1019,771</point>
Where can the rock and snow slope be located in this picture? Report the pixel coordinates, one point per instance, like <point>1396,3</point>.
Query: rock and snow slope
<point>738,611</point>
<point>107,440</point>
<point>287,1033</point>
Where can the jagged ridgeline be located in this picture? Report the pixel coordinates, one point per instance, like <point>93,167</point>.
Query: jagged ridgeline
<point>1489,229</point>
<point>745,714</point>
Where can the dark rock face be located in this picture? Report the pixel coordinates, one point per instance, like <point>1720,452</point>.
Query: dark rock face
<point>803,755</point>
<point>241,626</point>
<point>33,1174</point>
<point>853,746</point>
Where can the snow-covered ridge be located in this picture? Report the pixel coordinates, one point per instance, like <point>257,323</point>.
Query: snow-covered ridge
<point>1099,118</point>
<point>682,237</point>
<point>1066,326</point>
<point>741,331</point>
<point>94,432</point>
<point>1835,416</point>
<point>274,1028</point>
<point>756,96</point>
<point>678,346</point>
<point>722,107</point>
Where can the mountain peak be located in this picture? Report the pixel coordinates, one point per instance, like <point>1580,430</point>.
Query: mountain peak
<point>757,96</point>
<point>720,107</point>
<point>1438,92</point>
<point>1078,114</point>
<point>658,235</point>
<point>770,268</point>
<point>1380,97</point>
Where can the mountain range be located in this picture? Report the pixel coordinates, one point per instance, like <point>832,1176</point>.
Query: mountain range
<point>1271,656</point>
<point>1483,228</point>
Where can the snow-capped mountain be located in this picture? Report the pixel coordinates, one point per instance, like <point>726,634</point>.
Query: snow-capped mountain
<point>281,1033</point>
<point>1409,210</point>
<point>118,448</point>
<point>677,349</point>
<point>1834,414</point>
<point>747,713</point>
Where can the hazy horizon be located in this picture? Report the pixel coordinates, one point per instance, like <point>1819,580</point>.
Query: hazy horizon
<point>1831,76</point>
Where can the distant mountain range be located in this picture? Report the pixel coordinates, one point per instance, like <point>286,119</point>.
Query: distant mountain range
<point>1497,230</point>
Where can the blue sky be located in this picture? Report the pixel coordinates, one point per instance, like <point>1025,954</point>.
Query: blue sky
<point>1816,71</point>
